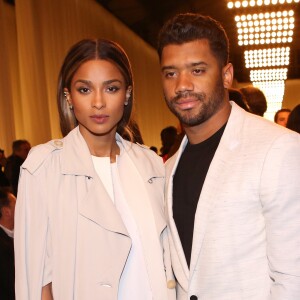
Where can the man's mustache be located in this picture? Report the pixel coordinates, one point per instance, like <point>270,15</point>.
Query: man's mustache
<point>182,95</point>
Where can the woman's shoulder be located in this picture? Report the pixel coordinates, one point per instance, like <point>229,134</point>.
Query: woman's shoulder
<point>145,151</point>
<point>40,153</point>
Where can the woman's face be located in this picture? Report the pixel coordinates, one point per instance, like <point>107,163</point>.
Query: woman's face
<point>98,96</point>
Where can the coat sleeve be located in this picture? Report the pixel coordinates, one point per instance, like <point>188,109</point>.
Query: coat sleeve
<point>280,195</point>
<point>33,269</point>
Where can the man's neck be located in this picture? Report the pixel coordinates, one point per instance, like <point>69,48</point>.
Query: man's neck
<point>199,133</point>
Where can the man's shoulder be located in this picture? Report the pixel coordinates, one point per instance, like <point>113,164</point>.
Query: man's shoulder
<point>257,126</point>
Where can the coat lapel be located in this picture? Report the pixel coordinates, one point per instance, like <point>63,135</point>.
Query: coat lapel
<point>97,205</point>
<point>138,176</point>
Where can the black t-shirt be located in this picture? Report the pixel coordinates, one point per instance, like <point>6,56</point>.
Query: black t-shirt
<point>187,185</point>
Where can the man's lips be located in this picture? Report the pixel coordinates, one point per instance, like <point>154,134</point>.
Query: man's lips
<point>186,103</point>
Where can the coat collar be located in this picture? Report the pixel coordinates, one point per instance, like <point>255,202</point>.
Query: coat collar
<point>76,157</point>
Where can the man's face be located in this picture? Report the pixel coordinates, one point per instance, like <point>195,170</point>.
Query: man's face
<point>282,118</point>
<point>193,81</point>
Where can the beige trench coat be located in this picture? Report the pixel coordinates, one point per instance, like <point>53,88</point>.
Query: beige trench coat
<point>68,231</point>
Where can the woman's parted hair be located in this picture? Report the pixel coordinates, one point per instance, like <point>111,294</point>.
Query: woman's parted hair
<point>81,52</point>
<point>189,27</point>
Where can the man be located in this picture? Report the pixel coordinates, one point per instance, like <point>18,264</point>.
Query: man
<point>232,188</point>
<point>7,266</point>
<point>281,116</point>
<point>20,150</point>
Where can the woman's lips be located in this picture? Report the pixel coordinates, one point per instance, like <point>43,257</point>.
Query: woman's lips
<point>99,119</point>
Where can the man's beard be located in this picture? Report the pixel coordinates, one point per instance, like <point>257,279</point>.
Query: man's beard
<point>208,108</point>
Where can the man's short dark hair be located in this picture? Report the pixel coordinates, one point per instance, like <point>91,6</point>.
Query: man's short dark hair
<point>189,27</point>
<point>4,201</point>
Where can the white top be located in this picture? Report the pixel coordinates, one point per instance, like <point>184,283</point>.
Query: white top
<point>134,283</point>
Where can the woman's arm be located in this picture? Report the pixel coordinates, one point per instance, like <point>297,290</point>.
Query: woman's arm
<point>30,236</point>
<point>47,292</point>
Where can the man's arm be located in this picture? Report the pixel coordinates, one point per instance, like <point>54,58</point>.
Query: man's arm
<point>280,196</point>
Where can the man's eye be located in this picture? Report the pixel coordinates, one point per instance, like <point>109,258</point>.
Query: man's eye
<point>84,90</point>
<point>198,71</point>
<point>170,74</point>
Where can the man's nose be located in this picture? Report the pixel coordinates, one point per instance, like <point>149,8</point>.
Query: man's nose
<point>184,83</point>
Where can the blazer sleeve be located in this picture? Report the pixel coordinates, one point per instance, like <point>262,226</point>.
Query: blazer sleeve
<point>280,196</point>
<point>32,262</point>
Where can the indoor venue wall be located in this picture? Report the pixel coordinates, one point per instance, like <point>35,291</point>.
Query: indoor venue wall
<point>35,36</point>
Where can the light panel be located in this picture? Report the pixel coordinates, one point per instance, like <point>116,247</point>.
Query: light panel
<point>258,3</point>
<point>268,74</point>
<point>265,28</point>
<point>269,57</point>
<point>274,92</point>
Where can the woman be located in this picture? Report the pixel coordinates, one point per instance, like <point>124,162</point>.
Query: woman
<point>89,217</point>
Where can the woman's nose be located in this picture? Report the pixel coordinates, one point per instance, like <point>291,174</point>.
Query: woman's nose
<point>98,100</point>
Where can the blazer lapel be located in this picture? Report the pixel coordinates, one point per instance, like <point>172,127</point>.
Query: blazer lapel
<point>179,263</point>
<point>217,170</point>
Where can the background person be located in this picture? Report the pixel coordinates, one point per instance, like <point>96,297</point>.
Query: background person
<point>168,137</point>
<point>293,121</point>
<point>255,99</point>
<point>281,116</point>
<point>238,97</point>
<point>89,216</point>
<point>4,182</point>
<point>7,265</point>
<point>20,150</point>
<point>232,189</point>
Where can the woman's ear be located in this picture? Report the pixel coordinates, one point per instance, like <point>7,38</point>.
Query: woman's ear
<point>128,94</point>
<point>227,75</point>
<point>68,98</point>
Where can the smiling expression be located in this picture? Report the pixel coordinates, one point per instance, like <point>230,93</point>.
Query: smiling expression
<point>98,96</point>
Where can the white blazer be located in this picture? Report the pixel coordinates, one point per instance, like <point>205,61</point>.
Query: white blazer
<point>68,231</point>
<point>246,242</point>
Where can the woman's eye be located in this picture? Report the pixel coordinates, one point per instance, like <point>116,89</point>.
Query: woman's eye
<point>84,90</point>
<point>112,89</point>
